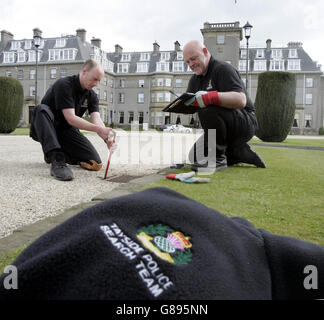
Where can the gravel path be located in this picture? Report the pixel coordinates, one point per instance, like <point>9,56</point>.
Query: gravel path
<point>28,193</point>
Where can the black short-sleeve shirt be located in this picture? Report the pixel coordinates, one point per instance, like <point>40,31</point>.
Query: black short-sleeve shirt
<point>67,93</point>
<point>220,76</point>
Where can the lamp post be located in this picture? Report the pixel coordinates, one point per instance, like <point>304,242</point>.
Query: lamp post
<point>36,42</point>
<point>247,33</point>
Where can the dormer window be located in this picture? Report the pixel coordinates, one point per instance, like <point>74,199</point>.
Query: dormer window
<point>32,55</point>
<point>165,56</point>
<point>145,56</point>
<point>60,43</point>
<point>293,64</point>
<point>292,53</point>
<point>28,44</point>
<point>15,45</point>
<point>260,65</point>
<point>126,57</point>
<point>162,66</point>
<point>21,56</point>
<point>243,53</point>
<point>277,65</point>
<point>42,42</point>
<point>259,53</point>
<point>177,66</point>
<point>179,55</point>
<point>276,53</point>
<point>62,54</point>
<point>122,67</point>
<point>142,67</point>
<point>8,57</point>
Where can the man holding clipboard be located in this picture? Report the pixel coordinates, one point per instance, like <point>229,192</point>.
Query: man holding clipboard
<point>219,96</point>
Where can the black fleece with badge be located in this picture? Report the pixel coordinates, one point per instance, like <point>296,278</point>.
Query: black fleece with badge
<point>158,244</point>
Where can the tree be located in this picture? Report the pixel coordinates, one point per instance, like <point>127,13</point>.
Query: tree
<point>11,103</point>
<point>275,105</point>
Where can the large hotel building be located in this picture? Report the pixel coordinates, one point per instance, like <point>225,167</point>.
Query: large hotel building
<point>137,85</point>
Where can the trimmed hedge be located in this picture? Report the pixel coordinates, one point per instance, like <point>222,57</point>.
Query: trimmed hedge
<point>275,105</point>
<point>11,103</point>
<point>321,131</point>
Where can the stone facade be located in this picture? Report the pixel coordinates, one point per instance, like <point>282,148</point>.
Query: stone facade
<point>138,85</point>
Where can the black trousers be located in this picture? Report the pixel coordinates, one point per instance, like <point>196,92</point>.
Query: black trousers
<point>76,147</point>
<point>225,130</point>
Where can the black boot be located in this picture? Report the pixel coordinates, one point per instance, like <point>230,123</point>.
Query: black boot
<point>47,159</point>
<point>59,169</point>
<point>211,166</point>
<point>244,154</point>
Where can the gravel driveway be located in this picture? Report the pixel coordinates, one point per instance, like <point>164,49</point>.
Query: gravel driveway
<point>28,193</point>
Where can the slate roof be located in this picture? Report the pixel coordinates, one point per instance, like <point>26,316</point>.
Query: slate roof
<point>83,53</point>
<point>85,49</point>
<point>154,58</point>
<point>306,62</point>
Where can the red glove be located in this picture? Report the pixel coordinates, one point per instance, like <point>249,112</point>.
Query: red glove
<point>205,98</point>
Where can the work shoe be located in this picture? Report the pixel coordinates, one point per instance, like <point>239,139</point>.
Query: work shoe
<point>93,166</point>
<point>59,169</point>
<point>245,155</point>
<point>210,168</point>
<point>47,159</point>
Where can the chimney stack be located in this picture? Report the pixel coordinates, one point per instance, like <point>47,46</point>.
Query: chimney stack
<point>294,44</point>
<point>81,33</point>
<point>177,46</point>
<point>37,31</point>
<point>268,42</point>
<point>118,48</point>
<point>6,36</point>
<point>96,42</point>
<point>156,47</point>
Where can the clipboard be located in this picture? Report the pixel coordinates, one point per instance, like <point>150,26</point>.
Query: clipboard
<point>178,106</point>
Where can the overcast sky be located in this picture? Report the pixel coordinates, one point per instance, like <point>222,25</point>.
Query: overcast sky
<point>136,24</point>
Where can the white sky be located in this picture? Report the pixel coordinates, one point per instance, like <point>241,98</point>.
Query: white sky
<point>136,24</point>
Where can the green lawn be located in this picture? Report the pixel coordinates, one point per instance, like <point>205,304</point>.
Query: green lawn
<point>9,257</point>
<point>21,131</point>
<point>285,198</point>
<point>288,142</point>
<point>295,142</point>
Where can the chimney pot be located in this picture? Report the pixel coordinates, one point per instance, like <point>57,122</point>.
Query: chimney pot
<point>118,48</point>
<point>6,36</point>
<point>156,47</point>
<point>177,46</point>
<point>81,33</point>
<point>96,42</point>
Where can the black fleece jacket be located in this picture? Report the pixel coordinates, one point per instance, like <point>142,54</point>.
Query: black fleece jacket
<point>159,244</point>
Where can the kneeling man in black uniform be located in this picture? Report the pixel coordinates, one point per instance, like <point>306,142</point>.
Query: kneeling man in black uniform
<point>57,120</point>
<point>225,106</point>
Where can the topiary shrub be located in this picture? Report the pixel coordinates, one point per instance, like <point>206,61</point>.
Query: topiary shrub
<point>275,105</point>
<point>321,131</point>
<point>11,103</point>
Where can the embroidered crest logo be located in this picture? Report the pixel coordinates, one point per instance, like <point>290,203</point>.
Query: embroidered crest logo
<point>168,244</point>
